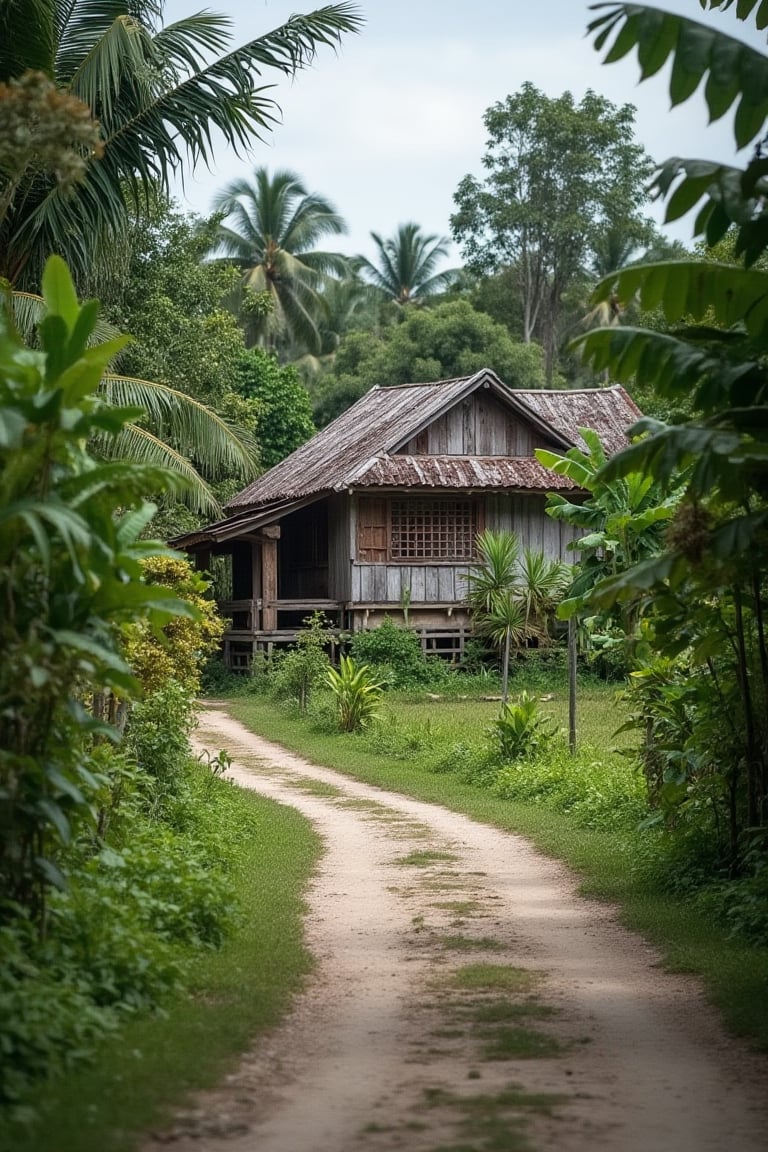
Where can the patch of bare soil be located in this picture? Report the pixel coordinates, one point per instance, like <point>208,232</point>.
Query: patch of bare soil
<point>466,999</point>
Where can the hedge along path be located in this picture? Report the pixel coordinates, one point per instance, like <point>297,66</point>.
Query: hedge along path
<point>465,998</point>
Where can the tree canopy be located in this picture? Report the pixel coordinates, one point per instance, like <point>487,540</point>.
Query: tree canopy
<point>406,265</point>
<point>436,343</point>
<point>702,693</point>
<point>560,175</point>
<point>271,228</point>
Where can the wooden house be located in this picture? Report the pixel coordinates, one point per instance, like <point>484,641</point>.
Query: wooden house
<point>379,512</point>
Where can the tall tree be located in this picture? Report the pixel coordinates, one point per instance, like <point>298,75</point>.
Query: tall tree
<point>159,93</point>
<point>406,265</point>
<point>560,174</point>
<point>271,228</point>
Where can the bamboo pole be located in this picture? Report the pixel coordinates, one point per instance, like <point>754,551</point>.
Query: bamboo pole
<point>572,684</point>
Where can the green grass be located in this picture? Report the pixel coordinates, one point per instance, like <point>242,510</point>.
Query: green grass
<point>152,1065</point>
<point>734,972</point>
<point>491,1123</point>
<point>425,858</point>
<point>461,943</point>
<point>508,1043</point>
<point>503,1011</point>
<point>493,977</point>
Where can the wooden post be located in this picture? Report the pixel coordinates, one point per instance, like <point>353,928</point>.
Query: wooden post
<point>572,684</point>
<point>255,587</point>
<point>270,535</point>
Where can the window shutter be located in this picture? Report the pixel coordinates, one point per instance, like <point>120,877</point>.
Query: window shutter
<point>372,530</point>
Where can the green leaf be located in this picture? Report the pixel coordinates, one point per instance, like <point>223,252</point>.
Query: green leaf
<point>59,292</point>
<point>55,815</point>
<point>730,66</point>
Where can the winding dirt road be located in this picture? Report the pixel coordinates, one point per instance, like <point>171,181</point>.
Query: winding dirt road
<point>465,999</point>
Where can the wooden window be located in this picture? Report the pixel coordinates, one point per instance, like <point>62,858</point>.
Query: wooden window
<point>433,529</point>
<point>372,530</point>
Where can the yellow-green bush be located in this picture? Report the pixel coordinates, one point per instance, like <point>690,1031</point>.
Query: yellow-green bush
<point>180,649</point>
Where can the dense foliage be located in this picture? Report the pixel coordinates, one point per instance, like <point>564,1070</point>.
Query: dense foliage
<point>438,343</point>
<point>561,177</point>
<point>159,93</point>
<point>701,695</point>
<point>112,862</point>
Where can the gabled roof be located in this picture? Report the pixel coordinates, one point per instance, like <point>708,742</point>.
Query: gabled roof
<point>355,449</point>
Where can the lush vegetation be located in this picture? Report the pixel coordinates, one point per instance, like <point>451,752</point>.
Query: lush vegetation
<point>122,861</point>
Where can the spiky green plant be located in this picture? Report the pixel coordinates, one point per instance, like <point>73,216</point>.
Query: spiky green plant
<point>358,694</point>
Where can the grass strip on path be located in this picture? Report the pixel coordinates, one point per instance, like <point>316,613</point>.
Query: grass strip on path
<point>734,973</point>
<point>146,1070</point>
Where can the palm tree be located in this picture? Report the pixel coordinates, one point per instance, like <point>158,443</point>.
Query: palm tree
<point>159,93</point>
<point>492,597</point>
<point>511,596</point>
<point>405,269</point>
<point>270,229</point>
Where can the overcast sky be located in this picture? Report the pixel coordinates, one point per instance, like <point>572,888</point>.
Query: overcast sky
<point>387,128</point>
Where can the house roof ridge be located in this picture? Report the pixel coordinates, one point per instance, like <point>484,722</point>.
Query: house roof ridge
<point>569,391</point>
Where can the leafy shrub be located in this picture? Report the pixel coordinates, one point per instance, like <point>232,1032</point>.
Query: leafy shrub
<point>741,904</point>
<point>396,655</point>
<point>599,791</point>
<point>357,693</point>
<point>218,680</point>
<point>520,732</point>
<point>123,936</point>
<point>157,736</point>
<point>298,672</point>
<point>44,1020</point>
<point>177,652</point>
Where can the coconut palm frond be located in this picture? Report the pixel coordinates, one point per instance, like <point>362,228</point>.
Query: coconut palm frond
<point>406,263</point>
<point>142,447</point>
<point>271,224</point>
<point>27,39</point>
<point>195,428</point>
<point>29,309</point>
<point>161,95</point>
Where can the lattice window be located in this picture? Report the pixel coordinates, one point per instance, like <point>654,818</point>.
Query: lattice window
<point>433,530</point>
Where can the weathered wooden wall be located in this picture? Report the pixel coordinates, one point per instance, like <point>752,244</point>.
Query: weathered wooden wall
<point>525,515</point>
<point>478,427</point>
<point>339,546</point>
<point>374,581</point>
<point>428,583</point>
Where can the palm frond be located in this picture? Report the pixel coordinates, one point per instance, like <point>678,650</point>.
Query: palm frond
<point>727,293</point>
<point>29,309</point>
<point>123,54</point>
<point>27,37</point>
<point>733,70</point>
<point>195,428</point>
<point>143,447</point>
<point>406,263</point>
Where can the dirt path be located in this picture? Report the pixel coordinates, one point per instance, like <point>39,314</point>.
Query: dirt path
<point>466,999</point>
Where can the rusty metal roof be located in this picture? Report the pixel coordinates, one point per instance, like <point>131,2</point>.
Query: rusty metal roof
<point>464,472</point>
<point>609,411</point>
<point>384,419</point>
